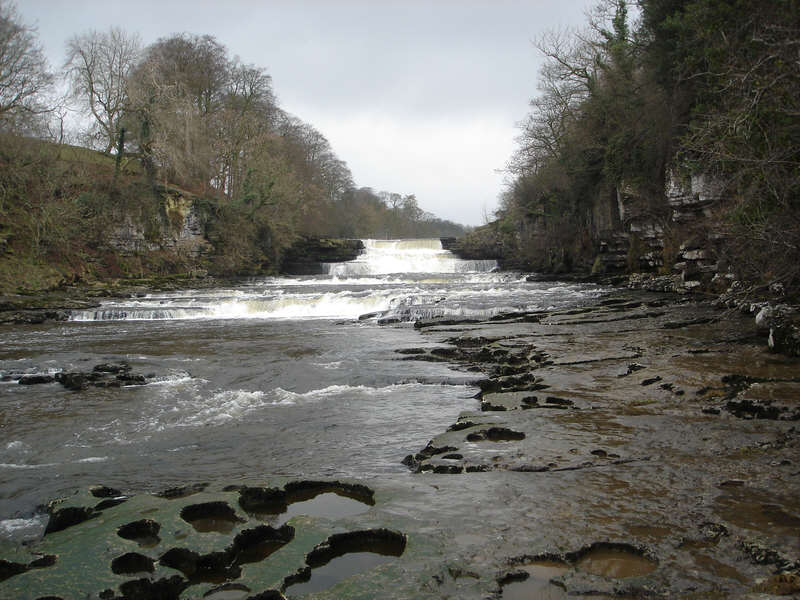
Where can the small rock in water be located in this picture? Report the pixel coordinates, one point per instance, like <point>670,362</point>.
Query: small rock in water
<point>73,381</point>
<point>115,368</point>
<point>101,491</point>
<point>36,379</point>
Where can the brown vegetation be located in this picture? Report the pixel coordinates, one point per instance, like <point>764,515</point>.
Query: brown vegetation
<point>179,118</point>
<point>693,88</point>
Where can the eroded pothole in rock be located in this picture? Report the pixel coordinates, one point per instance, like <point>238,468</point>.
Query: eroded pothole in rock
<point>68,517</point>
<point>214,567</point>
<point>533,580</point>
<point>325,505</point>
<point>262,503</point>
<point>249,546</point>
<point>255,545</point>
<point>321,499</point>
<point>166,587</point>
<point>613,560</point>
<point>343,555</point>
<point>211,516</point>
<point>132,562</point>
<point>496,434</point>
<point>143,532</point>
<point>546,575</point>
<point>228,591</point>
<point>330,500</point>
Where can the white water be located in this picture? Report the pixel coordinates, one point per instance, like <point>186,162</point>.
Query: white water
<point>387,257</point>
<point>401,280</point>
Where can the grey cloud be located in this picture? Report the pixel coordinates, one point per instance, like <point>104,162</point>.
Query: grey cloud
<point>439,65</point>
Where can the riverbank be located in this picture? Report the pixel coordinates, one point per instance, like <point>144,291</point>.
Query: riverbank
<point>40,306</point>
<point>306,256</point>
<point>653,438</point>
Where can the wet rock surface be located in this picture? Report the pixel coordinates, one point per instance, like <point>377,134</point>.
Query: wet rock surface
<point>104,375</point>
<point>664,427</point>
<point>646,446</point>
<point>246,559</point>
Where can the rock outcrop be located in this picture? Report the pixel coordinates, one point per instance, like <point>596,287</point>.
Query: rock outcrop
<point>308,254</point>
<point>179,228</point>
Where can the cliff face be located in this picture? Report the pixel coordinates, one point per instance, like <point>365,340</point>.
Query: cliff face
<point>177,227</point>
<point>676,236</point>
<point>623,230</point>
<point>307,255</point>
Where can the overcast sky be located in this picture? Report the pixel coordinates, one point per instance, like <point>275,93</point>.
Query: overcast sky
<point>418,97</point>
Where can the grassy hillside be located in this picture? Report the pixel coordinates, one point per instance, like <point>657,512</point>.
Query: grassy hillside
<point>60,208</point>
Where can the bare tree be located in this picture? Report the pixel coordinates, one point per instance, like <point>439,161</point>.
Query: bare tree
<point>98,66</point>
<point>24,77</point>
<point>176,96</point>
<point>197,65</point>
<point>246,117</point>
<point>579,65</point>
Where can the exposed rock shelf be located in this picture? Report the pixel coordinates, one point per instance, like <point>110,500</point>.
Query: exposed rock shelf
<point>669,410</point>
<point>305,257</point>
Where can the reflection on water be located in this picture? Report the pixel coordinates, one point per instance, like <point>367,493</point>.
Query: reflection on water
<point>328,505</point>
<point>537,586</point>
<point>337,570</point>
<point>615,563</point>
<point>228,592</point>
<point>757,510</point>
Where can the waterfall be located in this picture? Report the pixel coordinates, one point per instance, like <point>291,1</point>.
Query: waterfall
<point>385,257</point>
<point>390,276</point>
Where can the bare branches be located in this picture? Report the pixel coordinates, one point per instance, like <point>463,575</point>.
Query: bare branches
<point>24,77</point>
<point>98,66</point>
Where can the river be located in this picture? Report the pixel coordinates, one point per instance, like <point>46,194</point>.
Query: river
<point>273,377</point>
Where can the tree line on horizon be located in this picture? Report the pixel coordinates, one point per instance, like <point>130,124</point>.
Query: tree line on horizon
<point>180,113</point>
<point>650,90</point>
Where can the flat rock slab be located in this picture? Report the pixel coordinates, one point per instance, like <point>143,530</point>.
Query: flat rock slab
<point>663,423</point>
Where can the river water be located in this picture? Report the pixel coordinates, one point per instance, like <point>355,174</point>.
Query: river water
<point>274,377</point>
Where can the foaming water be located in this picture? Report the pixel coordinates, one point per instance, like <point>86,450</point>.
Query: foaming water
<point>420,296</point>
<point>384,257</point>
<point>390,274</point>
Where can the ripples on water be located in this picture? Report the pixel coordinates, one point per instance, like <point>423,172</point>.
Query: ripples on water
<point>273,377</point>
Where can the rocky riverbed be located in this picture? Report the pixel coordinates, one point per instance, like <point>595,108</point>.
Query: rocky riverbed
<point>662,429</point>
<point>647,445</point>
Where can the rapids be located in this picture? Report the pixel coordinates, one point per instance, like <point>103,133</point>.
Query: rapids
<point>276,377</point>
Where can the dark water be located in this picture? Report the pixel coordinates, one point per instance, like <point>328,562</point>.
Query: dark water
<point>336,570</point>
<point>275,378</point>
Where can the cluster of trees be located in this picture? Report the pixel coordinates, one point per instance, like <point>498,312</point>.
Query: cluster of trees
<point>689,86</point>
<point>182,113</point>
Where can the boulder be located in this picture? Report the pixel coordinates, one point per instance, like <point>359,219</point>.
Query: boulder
<point>783,324</point>
<point>771,315</point>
